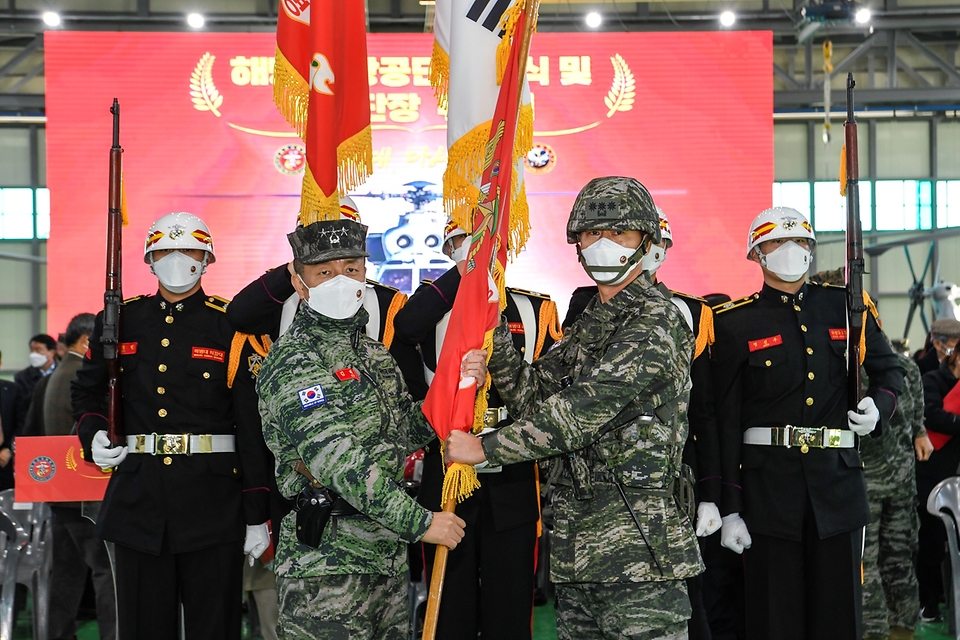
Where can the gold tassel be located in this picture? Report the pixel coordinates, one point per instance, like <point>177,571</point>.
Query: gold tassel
<point>843,170</point>
<point>354,161</point>
<point>440,74</point>
<point>124,220</point>
<point>508,24</point>
<point>291,93</point>
<point>315,205</point>
<point>459,482</point>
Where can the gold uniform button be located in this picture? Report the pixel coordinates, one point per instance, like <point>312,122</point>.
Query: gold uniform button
<point>161,390</point>
<point>796,308</point>
<point>803,328</point>
<point>235,472</point>
<point>809,351</point>
<point>169,319</point>
<point>167,460</point>
<point>809,402</point>
<point>164,343</point>
<point>162,413</point>
<point>162,368</point>
<point>768,363</point>
<point>206,374</point>
<point>811,376</point>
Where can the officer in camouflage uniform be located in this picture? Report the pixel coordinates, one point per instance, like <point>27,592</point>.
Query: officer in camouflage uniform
<point>611,400</point>
<point>334,399</point>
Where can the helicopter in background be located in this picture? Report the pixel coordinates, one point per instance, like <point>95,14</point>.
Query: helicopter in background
<point>412,251</point>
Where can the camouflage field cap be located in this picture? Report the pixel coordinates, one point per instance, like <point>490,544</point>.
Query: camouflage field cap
<point>613,202</point>
<point>329,240</point>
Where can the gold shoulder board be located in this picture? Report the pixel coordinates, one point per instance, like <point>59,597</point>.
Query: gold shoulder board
<point>524,292</point>
<point>733,304</point>
<point>218,303</point>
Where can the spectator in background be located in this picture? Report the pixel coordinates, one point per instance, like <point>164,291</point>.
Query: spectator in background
<point>43,348</point>
<point>944,336</point>
<point>943,428</point>
<point>76,546</point>
<point>13,410</point>
<point>62,347</point>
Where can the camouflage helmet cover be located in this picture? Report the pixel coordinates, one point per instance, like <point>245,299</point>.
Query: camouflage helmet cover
<point>613,202</point>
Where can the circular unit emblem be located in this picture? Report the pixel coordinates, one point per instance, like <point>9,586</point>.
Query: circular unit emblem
<point>42,468</point>
<point>290,160</point>
<point>540,159</point>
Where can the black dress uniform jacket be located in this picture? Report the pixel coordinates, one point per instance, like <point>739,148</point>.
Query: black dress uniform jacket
<point>259,305</point>
<point>779,359</point>
<point>943,462</point>
<point>174,360</point>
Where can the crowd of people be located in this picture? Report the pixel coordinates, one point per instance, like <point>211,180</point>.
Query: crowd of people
<point>705,473</point>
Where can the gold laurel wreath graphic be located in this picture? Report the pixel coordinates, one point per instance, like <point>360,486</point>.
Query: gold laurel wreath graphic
<point>71,460</point>
<point>623,91</point>
<point>205,95</point>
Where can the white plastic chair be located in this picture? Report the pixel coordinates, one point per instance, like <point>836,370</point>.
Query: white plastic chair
<point>13,539</point>
<point>33,560</point>
<point>944,502</point>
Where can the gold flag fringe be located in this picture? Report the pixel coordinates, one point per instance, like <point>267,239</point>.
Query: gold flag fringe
<point>354,165</point>
<point>291,93</point>
<point>440,74</point>
<point>508,24</point>
<point>315,205</point>
<point>459,482</point>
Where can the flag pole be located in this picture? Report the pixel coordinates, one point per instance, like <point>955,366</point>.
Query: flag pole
<point>450,505</point>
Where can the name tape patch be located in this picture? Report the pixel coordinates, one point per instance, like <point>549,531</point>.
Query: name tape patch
<point>838,334</point>
<point>765,343</point>
<point>311,397</point>
<point>515,327</point>
<point>205,353</point>
<point>347,374</point>
<point>128,348</point>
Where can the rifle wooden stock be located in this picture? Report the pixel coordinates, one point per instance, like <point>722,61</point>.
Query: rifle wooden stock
<point>113,293</point>
<point>855,265</point>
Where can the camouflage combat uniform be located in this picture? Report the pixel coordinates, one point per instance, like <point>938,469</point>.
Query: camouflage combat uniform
<point>890,593</point>
<point>611,400</point>
<point>334,398</point>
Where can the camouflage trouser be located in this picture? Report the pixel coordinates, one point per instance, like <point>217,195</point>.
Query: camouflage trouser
<point>622,611</point>
<point>890,592</point>
<point>351,607</point>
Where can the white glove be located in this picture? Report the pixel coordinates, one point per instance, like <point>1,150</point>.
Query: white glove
<point>256,541</point>
<point>708,519</point>
<point>863,423</point>
<point>105,456</point>
<point>734,534</point>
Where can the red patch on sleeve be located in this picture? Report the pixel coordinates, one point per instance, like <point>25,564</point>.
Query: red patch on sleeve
<point>205,353</point>
<point>126,348</point>
<point>765,343</point>
<point>838,334</point>
<point>89,354</point>
<point>515,327</point>
<point>347,374</point>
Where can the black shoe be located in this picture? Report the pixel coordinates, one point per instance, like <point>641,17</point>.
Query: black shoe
<point>930,613</point>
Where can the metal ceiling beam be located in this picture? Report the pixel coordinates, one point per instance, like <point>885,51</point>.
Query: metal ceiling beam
<point>786,77</point>
<point>953,77</point>
<point>30,75</point>
<point>12,63</point>
<point>900,98</point>
<point>864,47</point>
<point>18,101</point>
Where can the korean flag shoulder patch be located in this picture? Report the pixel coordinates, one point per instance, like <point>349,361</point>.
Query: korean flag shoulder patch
<point>311,397</point>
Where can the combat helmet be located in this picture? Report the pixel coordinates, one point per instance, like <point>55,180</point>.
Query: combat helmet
<point>613,202</point>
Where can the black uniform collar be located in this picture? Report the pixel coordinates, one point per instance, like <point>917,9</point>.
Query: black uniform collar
<point>781,297</point>
<point>190,303</point>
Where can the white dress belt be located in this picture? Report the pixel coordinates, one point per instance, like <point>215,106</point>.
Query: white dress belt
<point>803,437</point>
<point>180,443</point>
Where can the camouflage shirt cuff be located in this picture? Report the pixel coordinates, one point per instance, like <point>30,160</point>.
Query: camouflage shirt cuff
<point>493,446</point>
<point>421,529</point>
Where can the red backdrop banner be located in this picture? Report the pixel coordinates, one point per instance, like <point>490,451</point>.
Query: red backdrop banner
<point>688,114</point>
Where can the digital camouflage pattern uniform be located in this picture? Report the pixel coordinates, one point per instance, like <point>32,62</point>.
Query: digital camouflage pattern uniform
<point>352,434</point>
<point>611,401</point>
<point>890,592</point>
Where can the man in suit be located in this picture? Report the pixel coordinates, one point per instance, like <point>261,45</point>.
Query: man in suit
<point>13,412</point>
<point>43,352</point>
<point>793,490</point>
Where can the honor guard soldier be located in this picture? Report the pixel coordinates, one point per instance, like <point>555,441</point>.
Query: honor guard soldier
<point>793,482</point>
<point>339,421</point>
<point>700,452</point>
<point>267,306</point>
<point>190,474</point>
<point>489,581</point>
<point>611,400</point>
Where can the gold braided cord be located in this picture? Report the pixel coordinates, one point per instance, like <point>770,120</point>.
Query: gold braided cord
<point>705,335</point>
<point>396,303</point>
<point>291,93</point>
<point>236,348</point>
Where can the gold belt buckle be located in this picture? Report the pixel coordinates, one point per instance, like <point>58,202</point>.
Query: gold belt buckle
<point>173,443</point>
<point>493,416</point>
<point>807,438</point>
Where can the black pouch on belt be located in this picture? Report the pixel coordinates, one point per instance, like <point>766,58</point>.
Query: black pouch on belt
<point>314,507</point>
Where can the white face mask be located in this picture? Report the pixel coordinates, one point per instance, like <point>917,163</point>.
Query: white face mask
<point>653,259</point>
<point>460,254</point>
<point>37,359</point>
<point>609,263</point>
<point>339,297</point>
<point>789,261</point>
<point>178,272</point>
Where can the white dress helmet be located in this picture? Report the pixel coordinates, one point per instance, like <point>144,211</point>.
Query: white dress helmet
<point>179,230</point>
<point>666,233</point>
<point>451,231</point>
<point>779,222</point>
<point>349,209</point>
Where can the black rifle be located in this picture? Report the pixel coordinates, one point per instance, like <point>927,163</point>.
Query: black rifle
<point>855,266</point>
<point>113,294</point>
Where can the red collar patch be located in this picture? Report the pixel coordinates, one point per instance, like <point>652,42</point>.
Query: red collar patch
<point>765,343</point>
<point>347,374</point>
<point>838,334</point>
<point>205,353</point>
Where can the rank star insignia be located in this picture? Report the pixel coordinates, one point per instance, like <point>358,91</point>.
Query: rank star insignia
<point>254,363</point>
<point>177,231</point>
<point>334,235</point>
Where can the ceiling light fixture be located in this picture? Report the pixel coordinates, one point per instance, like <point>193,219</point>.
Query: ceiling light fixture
<point>727,18</point>
<point>593,19</point>
<point>51,18</point>
<point>195,20</point>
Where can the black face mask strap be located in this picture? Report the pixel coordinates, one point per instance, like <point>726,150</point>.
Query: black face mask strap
<point>631,262</point>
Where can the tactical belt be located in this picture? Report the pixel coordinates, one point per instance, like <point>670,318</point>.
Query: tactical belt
<point>494,416</point>
<point>803,437</point>
<point>340,506</point>
<point>180,443</point>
